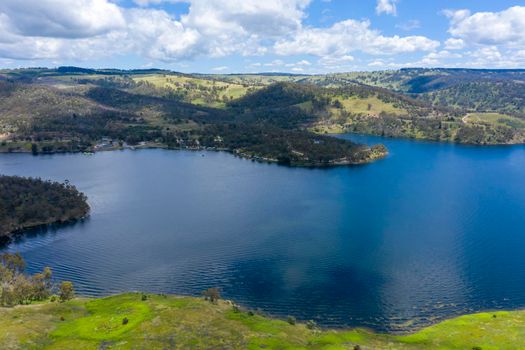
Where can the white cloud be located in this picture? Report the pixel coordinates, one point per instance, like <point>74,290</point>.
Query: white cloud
<point>490,54</point>
<point>489,28</point>
<point>386,6</point>
<point>246,17</point>
<point>348,36</point>
<point>61,18</point>
<point>520,54</point>
<point>154,34</point>
<point>93,29</point>
<point>493,39</point>
<point>62,29</point>
<point>336,62</point>
<point>439,58</point>
<point>443,54</point>
<point>381,64</point>
<point>454,44</point>
<point>493,57</point>
<point>220,69</point>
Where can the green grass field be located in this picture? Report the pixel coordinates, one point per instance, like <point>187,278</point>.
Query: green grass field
<point>196,88</point>
<point>171,322</point>
<point>496,119</point>
<point>370,106</point>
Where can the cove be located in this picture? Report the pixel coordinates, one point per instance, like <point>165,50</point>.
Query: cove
<point>432,231</point>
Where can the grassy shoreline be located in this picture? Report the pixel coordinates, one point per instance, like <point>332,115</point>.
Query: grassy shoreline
<point>175,322</point>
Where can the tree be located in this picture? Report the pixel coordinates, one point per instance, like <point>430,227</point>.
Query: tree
<point>42,284</point>
<point>67,292</point>
<point>18,288</point>
<point>13,262</point>
<point>212,294</point>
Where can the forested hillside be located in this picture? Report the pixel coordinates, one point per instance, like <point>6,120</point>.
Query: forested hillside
<point>51,112</point>
<point>74,109</point>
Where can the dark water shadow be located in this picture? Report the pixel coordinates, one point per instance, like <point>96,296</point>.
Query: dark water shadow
<point>21,236</point>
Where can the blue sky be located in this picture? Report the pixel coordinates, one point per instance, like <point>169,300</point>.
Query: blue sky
<point>300,36</point>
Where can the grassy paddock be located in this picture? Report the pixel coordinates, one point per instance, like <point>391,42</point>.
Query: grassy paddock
<point>192,86</point>
<point>370,106</point>
<point>171,322</point>
<point>496,119</point>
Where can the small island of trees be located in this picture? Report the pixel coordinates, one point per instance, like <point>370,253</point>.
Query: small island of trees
<point>29,202</point>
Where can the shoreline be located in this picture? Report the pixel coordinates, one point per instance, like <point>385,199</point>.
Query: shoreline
<point>236,152</point>
<point>155,321</point>
<point>335,131</point>
<point>402,330</point>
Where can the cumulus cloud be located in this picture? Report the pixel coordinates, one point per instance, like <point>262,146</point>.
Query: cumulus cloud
<point>252,17</point>
<point>348,36</point>
<point>387,7</point>
<point>61,18</point>
<point>86,29</point>
<point>437,58</point>
<point>154,34</point>
<point>489,28</point>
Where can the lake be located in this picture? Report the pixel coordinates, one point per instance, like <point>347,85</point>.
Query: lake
<point>433,231</point>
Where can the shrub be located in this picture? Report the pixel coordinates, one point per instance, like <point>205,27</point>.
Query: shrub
<point>67,292</point>
<point>311,324</point>
<point>212,294</point>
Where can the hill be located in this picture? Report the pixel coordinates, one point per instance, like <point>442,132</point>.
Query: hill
<point>52,112</point>
<point>372,110</point>
<point>142,105</point>
<point>134,321</point>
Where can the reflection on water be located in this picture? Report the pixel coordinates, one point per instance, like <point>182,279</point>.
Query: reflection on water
<point>433,231</point>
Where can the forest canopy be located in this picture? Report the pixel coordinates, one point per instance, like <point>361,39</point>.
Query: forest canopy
<point>30,202</point>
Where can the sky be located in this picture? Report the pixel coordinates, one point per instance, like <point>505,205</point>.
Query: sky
<point>251,36</point>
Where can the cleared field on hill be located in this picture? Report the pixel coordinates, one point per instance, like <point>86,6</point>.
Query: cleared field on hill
<point>204,92</point>
<point>370,106</point>
<point>496,119</point>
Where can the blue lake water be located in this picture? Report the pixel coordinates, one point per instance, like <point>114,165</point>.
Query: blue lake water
<point>433,231</point>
